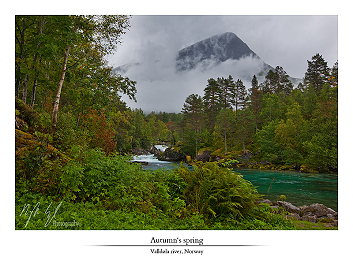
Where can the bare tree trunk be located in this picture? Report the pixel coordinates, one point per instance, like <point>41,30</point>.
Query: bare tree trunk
<point>60,85</point>
<point>34,62</point>
<point>255,123</point>
<point>24,90</point>
<point>19,63</point>
<point>225,142</point>
<point>196,141</point>
<point>33,98</point>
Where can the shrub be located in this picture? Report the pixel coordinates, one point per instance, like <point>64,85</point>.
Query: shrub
<point>215,191</point>
<point>101,131</point>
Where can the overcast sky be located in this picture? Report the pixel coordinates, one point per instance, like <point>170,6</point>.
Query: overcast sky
<point>286,41</point>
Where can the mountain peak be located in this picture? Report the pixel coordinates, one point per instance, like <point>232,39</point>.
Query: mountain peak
<point>217,48</point>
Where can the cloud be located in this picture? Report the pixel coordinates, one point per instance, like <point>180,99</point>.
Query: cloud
<point>154,41</point>
<point>161,88</point>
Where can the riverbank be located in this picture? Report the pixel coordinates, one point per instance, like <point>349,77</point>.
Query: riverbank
<point>234,160</point>
<point>315,213</point>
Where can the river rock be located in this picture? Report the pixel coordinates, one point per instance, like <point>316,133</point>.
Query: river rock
<point>319,210</point>
<point>265,162</point>
<point>139,151</point>
<point>204,157</point>
<point>171,154</point>
<point>293,216</point>
<point>154,150</point>
<point>288,207</point>
<point>140,162</point>
<point>246,156</point>
<point>266,201</point>
<point>309,218</point>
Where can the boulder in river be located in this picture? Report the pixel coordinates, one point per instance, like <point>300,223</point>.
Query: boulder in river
<point>141,162</point>
<point>204,157</point>
<point>171,154</point>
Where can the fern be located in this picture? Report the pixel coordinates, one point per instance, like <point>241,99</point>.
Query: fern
<point>215,191</point>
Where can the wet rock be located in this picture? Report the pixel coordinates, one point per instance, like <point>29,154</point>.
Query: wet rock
<point>139,151</point>
<point>140,162</point>
<point>204,157</point>
<point>309,218</point>
<point>293,216</point>
<point>319,210</point>
<point>266,201</point>
<point>265,162</point>
<point>246,157</point>
<point>313,213</point>
<point>288,207</point>
<point>335,215</point>
<point>171,154</point>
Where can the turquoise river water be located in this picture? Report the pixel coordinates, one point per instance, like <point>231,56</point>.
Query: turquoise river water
<point>299,188</point>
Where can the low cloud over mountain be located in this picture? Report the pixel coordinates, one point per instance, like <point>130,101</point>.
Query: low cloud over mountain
<point>175,76</point>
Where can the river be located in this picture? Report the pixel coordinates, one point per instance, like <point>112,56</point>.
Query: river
<point>299,188</point>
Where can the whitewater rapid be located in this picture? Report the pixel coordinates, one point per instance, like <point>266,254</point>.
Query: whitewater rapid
<point>153,162</point>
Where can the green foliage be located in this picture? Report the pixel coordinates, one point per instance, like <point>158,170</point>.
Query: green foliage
<point>317,73</point>
<point>270,107</point>
<point>215,191</point>
<point>282,198</point>
<point>95,191</point>
<point>79,169</point>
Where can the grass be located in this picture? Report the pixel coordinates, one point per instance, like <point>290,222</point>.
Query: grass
<point>305,225</point>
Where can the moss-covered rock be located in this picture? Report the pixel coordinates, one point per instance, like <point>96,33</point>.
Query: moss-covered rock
<point>25,143</point>
<point>307,168</point>
<point>25,113</point>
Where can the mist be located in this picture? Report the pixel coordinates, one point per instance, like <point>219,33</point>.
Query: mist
<point>161,88</point>
<point>154,42</point>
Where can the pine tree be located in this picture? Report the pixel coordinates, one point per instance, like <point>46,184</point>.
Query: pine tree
<point>225,96</point>
<point>239,95</point>
<point>224,122</point>
<point>283,84</point>
<point>244,127</point>
<point>317,73</point>
<point>334,74</point>
<point>255,96</point>
<point>210,99</point>
<point>193,113</point>
<point>277,81</point>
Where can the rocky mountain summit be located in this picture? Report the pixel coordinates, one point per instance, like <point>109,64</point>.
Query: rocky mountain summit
<point>217,49</point>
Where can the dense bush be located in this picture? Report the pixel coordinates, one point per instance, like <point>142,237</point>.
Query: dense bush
<point>216,191</point>
<point>95,191</point>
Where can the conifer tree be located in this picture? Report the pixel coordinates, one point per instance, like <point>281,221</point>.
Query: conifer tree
<point>193,113</point>
<point>210,99</point>
<point>334,74</point>
<point>255,96</point>
<point>317,73</point>
<point>239,95</point>
<point>244,127</point>
<point>277,81</point>
<point>226,93</point>
<point>224,122</point>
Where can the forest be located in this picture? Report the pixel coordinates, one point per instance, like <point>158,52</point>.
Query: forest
<point>296,128</point>
<point>75,135</point>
